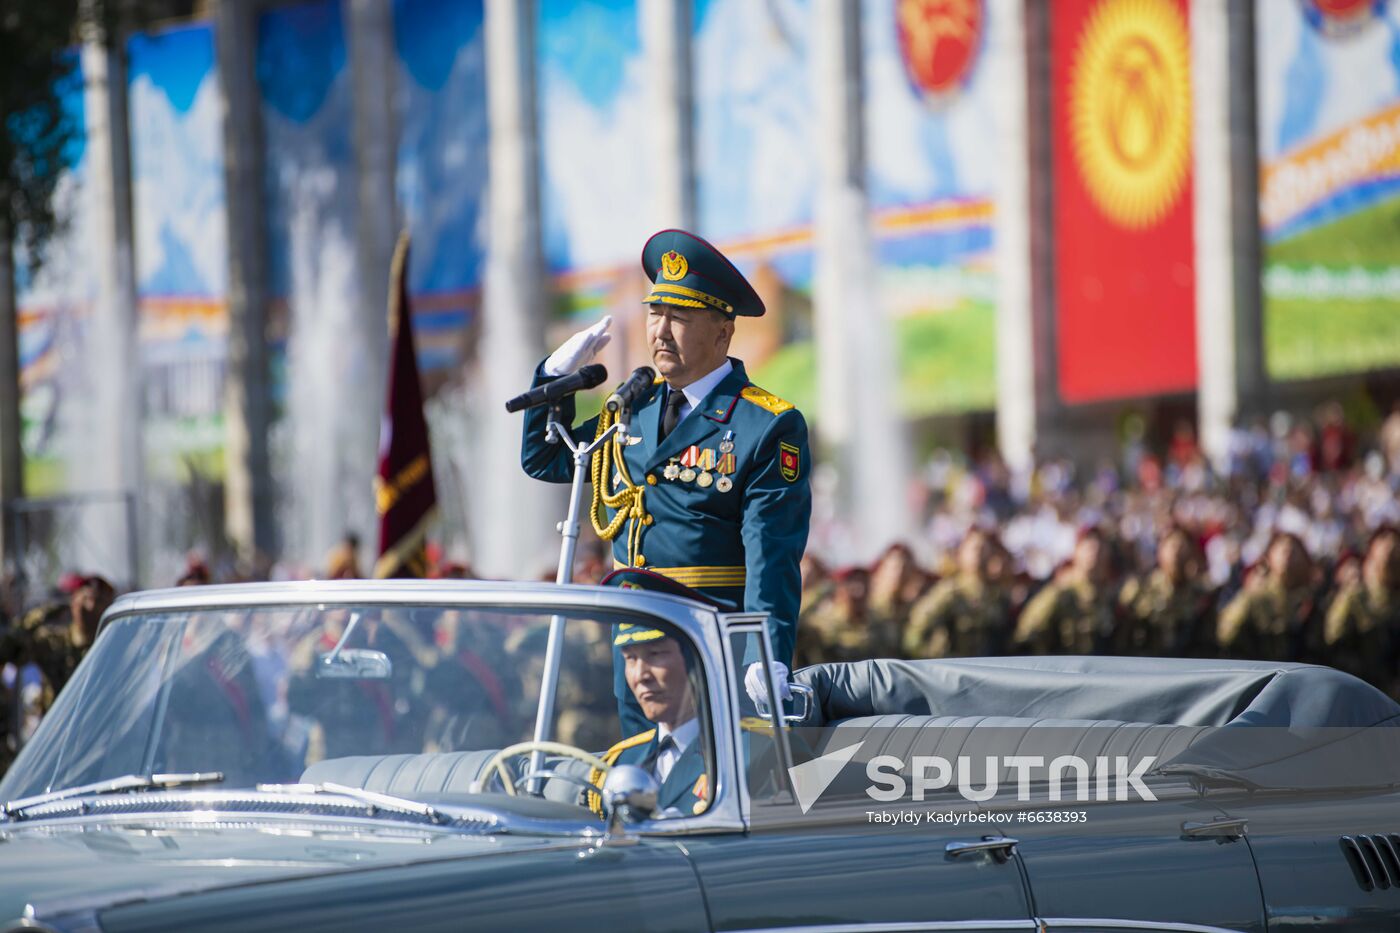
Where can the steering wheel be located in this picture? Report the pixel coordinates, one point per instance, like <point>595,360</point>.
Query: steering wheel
<point>498,764</point>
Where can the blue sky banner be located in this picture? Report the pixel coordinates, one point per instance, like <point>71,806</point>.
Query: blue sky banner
<point>181,248</point>
<point>55,304</point>
<point>595,169</point>
<point>442,164</point>
<point>308,126</point>
<point>756,161</point>
<point>1329,151</point>
<point>929,114</point>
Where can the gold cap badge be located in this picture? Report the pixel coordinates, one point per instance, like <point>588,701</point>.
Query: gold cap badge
<point>673,266</point>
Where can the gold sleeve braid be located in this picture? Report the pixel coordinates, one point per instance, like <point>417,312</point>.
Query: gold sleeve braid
<point>627,502</point>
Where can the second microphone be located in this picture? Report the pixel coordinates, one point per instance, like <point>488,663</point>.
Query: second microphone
<point>636,387</point>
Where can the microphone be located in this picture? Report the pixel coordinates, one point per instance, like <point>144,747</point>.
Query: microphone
<point>637,385</point>
<point>586,378</point>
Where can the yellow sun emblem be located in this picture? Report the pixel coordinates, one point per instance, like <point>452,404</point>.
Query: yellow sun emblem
<point>673,266</point>
<point>1130,106</point>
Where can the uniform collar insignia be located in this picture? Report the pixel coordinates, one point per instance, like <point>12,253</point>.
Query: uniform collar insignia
<point>716,409</point>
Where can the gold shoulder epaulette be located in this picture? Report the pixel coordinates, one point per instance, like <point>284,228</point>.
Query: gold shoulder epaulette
<point>595,775</point>
<point>641,738</point>
<point>756,724</point>
<point>765,399</point>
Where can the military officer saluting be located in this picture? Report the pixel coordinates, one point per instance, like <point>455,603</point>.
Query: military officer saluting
<point>711,489</point>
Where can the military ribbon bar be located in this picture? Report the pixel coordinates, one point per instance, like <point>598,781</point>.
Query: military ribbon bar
<point>691,456</point>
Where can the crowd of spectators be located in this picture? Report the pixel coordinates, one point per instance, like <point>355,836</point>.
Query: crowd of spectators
<point>1288,552</point>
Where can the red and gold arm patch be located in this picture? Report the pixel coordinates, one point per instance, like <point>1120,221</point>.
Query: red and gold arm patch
<point>789,461</point>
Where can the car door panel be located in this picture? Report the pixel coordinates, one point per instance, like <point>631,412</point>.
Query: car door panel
<point>1133,861</point>
<point>645,887</point>
<point>803,878</point>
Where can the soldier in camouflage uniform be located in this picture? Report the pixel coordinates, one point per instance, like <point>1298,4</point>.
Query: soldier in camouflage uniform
<point>1076,613</point>
<point>55,636</point>
<point>845,626</point>
<point>818,588</point>
<point>896,583</point>
<point>966,615</point>
<point>1275,616</point>
<point>1169,612</point>
<point>1362,633</point>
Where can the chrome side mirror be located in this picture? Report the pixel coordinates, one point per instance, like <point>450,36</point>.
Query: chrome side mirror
<point>631,794</point>
<point>354,664</point>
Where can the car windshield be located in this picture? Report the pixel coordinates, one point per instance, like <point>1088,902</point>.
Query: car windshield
<point>322,694</point>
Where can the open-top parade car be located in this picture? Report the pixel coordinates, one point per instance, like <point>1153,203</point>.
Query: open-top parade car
<point>371,755</point>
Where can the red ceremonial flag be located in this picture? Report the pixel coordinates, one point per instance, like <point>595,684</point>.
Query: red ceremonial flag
<point>403,489</point>
<point>1122,151</point>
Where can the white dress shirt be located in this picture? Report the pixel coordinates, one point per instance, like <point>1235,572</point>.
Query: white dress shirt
<point>681,738</point>
<point>695,392</point>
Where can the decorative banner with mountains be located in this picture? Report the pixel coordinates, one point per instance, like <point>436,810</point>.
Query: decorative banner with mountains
<point>1329,199</point>
<point>930,104</point>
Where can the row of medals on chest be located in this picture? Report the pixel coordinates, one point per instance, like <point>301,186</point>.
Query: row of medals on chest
<point>704,467</point>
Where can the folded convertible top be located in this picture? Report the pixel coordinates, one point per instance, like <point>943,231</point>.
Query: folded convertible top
<point>1159,691</point>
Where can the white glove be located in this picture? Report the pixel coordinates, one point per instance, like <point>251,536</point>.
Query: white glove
<point>579,349</point>
<point>757,687</point>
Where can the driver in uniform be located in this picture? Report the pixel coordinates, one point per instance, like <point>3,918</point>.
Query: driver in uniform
<point>660,674</point>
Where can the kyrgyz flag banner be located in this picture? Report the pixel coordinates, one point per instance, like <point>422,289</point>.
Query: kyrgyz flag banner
<point>403,489</point>
<point>1121,149</point>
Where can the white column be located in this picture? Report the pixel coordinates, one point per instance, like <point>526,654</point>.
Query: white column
<point>370,37</point>
<point>1217,397</point>
<point>861,428</point>
<point>11,450</point>
<point>666,32</point>
<point>111,346</point>
<point>515,515</point>
<point>248,493</point>
<point>1015,332</point>
<point>1229,348</point>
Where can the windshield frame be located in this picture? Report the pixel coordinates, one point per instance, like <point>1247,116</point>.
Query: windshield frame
<point>703,626</point>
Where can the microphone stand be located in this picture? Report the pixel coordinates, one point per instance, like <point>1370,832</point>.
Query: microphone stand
<point>557,433</point>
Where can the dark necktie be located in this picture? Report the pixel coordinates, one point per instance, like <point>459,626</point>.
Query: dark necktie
<point>649,763</point>
<point>671,414</point>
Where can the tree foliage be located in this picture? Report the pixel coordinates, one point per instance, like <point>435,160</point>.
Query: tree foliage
<point>37,66</point>
<point>39,69</point>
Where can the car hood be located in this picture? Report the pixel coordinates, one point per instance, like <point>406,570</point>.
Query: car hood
<point>57,867</point>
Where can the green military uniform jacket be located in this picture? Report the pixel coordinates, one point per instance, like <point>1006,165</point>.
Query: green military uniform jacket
<point>1270,623</point>
<point>730,523</point>
<point>687,786</point>
<point>1166,619</point>
<point>1068,617</point>
<point>960,617</point>
<point>1362,634</point>
<point>46,638</point>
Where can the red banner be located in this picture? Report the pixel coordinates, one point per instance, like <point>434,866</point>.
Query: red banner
<point>1121,148</point>
<point>404,494</point>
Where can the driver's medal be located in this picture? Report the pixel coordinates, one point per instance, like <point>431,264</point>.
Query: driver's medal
<point>672,471</point>
<point>688,460</point>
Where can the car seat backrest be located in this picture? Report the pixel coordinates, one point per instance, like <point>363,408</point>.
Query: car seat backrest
<point>439,773</point>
